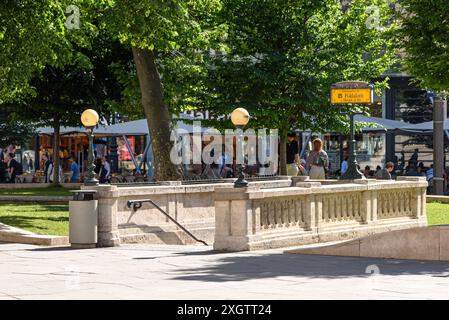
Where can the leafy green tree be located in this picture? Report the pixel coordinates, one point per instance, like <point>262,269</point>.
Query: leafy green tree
<point>424,37</point>
<point>11,131</point>
<point>283,56</point>
<point>33,35</point>
<point>154,30</point>
<point>63,93</point>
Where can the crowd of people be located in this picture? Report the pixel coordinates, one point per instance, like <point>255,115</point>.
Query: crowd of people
<point>316,165</point>
<point>102,170</point>
<point>11,168</point>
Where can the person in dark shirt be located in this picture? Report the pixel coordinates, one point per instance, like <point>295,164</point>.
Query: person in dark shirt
<point>98,165</point>
<point>385,174</point>
<point>292,155</point>
<point>48,168</point>
<point>412,172</point>
<point>2,171</point>
<point>14,168</point>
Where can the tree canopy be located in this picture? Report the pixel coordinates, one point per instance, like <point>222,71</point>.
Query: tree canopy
<point>424,38</point>
<point>283,56</point>
<point>275,58</point>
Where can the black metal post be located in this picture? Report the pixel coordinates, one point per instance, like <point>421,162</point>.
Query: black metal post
<point>90,176</point>
<point>240,182</point>
<point>353,172</point>
<point>439,118</point>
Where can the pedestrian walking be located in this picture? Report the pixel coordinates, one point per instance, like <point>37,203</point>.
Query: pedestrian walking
<point>292,155</point>
<point>317,161</point>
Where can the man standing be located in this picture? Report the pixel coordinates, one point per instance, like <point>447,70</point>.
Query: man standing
<point>74,168</point>
<point>292,155</point>
<point>105,171</point>
<point>385,173</point>
<point>14,168</point>
<point>48,168</point>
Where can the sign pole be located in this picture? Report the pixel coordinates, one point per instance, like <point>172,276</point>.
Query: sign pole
<point>439,117</point>
<point>352,172</point>
<point>346,93</point>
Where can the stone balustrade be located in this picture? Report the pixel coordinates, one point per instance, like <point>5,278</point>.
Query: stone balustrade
<point>308,212</point>
<point>190,204</point>
<point>267,214</point>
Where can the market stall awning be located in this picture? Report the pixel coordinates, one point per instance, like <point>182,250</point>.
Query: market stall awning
<point>380,124</point>
<point>67,130</point>
<point>130,128</point>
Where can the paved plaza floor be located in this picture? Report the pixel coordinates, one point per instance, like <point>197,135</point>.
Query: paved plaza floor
<point>196,272</point>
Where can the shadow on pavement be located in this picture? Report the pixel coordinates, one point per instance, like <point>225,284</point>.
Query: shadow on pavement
<point>243,267</point>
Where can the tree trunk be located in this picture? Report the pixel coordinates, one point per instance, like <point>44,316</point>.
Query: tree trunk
<point>283,152</point>
<point>157,114</point>
<point>56,160</point>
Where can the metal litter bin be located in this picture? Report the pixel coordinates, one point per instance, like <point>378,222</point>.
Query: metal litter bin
<point>83,219</point>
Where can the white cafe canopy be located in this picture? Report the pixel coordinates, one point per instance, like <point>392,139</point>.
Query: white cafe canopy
<point>131,128</point>
<point>140,127</point>
<point>380,124</point>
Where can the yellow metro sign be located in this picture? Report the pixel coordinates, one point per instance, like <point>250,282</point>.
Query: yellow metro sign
<point>352,92</point>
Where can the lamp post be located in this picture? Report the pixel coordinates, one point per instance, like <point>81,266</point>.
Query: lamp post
<point>89,119</point>
<point>240,118</point>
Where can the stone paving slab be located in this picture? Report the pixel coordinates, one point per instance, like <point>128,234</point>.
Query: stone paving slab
<point>196,272</point>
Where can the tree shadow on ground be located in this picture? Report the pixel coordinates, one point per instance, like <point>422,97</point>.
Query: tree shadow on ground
<point>240,267</point>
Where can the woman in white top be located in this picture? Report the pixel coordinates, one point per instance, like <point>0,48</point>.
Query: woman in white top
<point>317,161</point>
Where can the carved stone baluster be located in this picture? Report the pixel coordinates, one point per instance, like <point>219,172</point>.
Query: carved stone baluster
<point>271,214</point>
<point>278,214</point>
<point>344,208</point>
<point>379,204</point>
<point>401,204</point>
<point>298,211</point>
<point>263,215</point>
<point>395,198</point>
<point>302,212</point>
<point>291,212</point>
<point>284,213</point>
<point>409,210</point>
<point>327,207</point>
<point>357,207</point>
<point>350,200</point>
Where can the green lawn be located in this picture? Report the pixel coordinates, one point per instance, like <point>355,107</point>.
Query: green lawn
<point>41,219</point>
<point>49,191</point>
<point>437,213</point>
<point>54,219</point>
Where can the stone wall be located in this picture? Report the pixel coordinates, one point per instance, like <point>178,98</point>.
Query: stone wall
<point>267,214</point>
<point>191,205</point>
<point>252,218</point>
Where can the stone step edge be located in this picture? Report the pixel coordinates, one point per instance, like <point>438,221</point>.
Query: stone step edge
<point>17,235</point>
<point>36,239</point>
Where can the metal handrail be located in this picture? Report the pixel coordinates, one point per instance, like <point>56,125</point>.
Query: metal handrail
<point>137,204</point>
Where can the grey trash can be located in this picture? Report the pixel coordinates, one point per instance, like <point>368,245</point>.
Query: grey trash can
<point>83,219</point>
